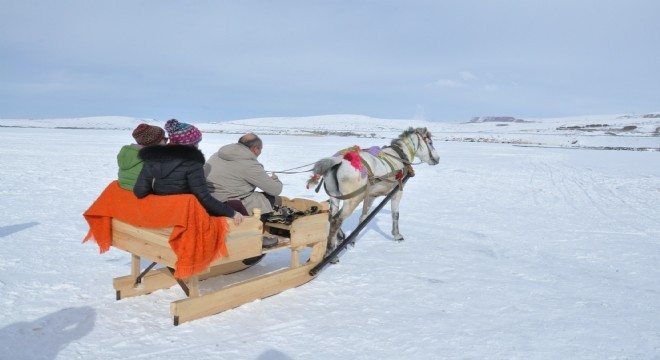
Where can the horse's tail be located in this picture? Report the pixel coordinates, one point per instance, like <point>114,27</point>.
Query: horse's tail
<point>320,169</point>
<point>322,166</point>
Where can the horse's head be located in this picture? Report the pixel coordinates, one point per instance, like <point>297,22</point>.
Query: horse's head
<point>424,148</point>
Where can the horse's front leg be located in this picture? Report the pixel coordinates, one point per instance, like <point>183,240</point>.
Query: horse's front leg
<point>395,216</point>
<point>368,200</point>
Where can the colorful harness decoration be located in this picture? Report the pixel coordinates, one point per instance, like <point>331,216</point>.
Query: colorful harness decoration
<point>352,154</point>
<point>405,154</point>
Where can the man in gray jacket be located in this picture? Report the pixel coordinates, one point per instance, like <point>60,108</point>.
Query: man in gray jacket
<point>235,173</point>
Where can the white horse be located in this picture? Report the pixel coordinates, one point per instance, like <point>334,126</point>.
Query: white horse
<point>356,175</point>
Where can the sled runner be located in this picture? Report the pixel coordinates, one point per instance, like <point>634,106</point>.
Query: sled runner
<point>187,255</point>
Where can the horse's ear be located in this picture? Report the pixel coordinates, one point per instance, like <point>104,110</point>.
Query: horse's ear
<point>425,133</point>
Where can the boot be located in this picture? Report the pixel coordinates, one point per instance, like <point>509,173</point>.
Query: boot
<point>269,241</point>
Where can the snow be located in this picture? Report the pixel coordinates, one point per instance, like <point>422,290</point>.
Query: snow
<point>548,251</point>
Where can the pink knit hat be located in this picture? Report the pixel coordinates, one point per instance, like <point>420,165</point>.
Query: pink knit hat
<point>182,133</point>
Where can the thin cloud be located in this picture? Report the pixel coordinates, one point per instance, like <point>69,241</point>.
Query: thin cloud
<point>466,75</point>
<point>448,83</point>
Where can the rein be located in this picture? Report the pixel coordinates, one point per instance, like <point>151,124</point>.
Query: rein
<point>288,171</point>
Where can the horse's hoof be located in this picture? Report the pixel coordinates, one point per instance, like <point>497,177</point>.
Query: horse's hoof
<point>398,238</point>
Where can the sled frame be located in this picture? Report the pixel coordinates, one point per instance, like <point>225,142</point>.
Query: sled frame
<point>243,242</point>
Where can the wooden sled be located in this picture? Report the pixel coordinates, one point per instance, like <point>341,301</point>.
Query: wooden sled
<point>244,244</point>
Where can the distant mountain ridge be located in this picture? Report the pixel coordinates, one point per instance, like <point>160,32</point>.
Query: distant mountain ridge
<point>496,119</point>
<point>637,132</point>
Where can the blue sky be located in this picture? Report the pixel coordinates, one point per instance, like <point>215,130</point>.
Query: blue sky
<point>223,60</point>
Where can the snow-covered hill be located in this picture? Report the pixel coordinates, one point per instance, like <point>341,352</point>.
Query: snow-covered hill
<point>638,132</point>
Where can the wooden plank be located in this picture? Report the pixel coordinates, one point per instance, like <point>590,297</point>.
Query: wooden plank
<point>145,248</point>
<point>240,293</point>
<point>193,286</point>
<point>222,269</point>
<point>159,236</point>
<point>162,279</point>
<point>135,266</point>
<point>309,229</point>
<point>304,204</point>
<point>295,257</point>
<point>277,225</point>
<point>152,281</point>
<point>318,251</point>
<point>243,241</point>
<point>249,224</point>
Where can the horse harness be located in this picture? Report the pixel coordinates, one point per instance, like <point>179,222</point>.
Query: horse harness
<point>398,174</point>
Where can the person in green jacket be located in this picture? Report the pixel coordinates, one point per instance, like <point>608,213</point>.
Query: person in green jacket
<point>129,163</point>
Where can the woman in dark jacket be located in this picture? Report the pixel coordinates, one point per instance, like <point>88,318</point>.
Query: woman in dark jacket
<point>178,168</point>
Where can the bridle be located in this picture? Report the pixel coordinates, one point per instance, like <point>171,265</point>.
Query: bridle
<point>429,142</point>
<point>408,161</point>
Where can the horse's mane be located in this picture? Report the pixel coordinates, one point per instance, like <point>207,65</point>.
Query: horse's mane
<point>409,132</point>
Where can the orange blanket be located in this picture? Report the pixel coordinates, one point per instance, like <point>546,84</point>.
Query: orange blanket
<point>197,238</point>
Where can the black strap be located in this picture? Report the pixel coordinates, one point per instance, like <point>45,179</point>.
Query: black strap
<point>183,285</point>
<point>319,186</point>
<point>402,155</point>
<point>138,280</point>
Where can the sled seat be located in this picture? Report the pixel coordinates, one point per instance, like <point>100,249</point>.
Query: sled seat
<point>242,242</point>
<point>244,248</point>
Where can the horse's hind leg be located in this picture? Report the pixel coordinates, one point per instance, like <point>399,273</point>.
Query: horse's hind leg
<point>336,220</point>
<point>335,227</point>
<point>395,216</point>
<point>335,224</point>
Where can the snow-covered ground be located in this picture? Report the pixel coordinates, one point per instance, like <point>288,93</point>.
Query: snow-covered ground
<point>511,252</point>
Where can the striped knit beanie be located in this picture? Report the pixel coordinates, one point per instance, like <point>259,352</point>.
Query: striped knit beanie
<point>148,134</point>
<point>182,133</point>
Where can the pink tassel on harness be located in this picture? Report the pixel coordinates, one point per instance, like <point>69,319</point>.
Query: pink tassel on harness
<point>354,159</point>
